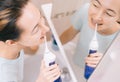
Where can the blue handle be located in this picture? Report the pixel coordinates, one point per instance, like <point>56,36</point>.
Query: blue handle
<point>89,70</point>
<point>59,79</point>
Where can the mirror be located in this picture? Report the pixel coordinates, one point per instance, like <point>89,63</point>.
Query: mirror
<point>60,17</point>
<point>108,68</point>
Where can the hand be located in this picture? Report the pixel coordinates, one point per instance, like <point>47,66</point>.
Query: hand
<point>93,59</point>
<point>48,74</point>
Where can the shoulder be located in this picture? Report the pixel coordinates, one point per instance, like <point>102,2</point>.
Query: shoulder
<point>81,12</point>
<point>84,8</point>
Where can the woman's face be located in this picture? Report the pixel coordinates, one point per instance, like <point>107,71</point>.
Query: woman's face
<point>33,26</point>
<point>105,13</point>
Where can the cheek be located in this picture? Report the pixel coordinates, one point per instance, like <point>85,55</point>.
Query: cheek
<point>28,41</point>
<point>109,25</point>
<point>91,11</point>
<point>109,21</point>
<point>90,17</point>
<point>32,40</point>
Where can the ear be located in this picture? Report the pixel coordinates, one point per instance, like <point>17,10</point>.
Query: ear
<point>10,42</point>
<point>1,42</point>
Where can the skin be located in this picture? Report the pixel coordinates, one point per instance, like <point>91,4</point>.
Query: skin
<point>106,14</point>
<point>34,30</point>
<point>49,74</point>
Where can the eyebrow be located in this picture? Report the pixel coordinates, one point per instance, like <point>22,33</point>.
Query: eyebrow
<point>107,9</point>
<point>98,2</point>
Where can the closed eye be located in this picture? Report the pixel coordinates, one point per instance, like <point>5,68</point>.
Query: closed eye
<point>35,29</point>
<point>95,5</point>
<point>108,14</point>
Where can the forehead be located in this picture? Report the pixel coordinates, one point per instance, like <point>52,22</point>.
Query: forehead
<point>110,4</point>
<point>29,18</point>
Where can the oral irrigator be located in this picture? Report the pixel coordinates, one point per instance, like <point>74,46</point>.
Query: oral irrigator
<point>93,47</point>
<point>49,59</point>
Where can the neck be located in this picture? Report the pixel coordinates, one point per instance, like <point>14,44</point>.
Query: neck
<point>9,52</point>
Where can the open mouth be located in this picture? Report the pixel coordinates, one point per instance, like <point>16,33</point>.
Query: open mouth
<point>99,24</point>
<point>42,37</point>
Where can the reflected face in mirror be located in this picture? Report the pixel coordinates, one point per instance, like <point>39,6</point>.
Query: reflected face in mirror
<point>103,12</point>
<point>106,14</point>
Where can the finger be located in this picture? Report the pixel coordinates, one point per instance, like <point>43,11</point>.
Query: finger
<point>53,71</point>
<point>96,55</point>
<point>49,70</point>
<point>56,75</point>
<point>91,61</point>
<point>52,74</point>
<point>92,58</point>
<point>92,65</point>
<point>52,67</point>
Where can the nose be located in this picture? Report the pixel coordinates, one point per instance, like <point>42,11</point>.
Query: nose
<point>45,29</point>
<point>98,17</point>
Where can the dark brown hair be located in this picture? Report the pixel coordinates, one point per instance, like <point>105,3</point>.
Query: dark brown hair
<point>10,11</point>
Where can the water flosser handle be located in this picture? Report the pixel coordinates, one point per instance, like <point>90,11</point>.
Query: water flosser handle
<point>49,58</point>
<point>89,70</point>
<point>93,49</point>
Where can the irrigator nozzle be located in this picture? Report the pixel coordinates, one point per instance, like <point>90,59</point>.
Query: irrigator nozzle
<point>94,42</point>
<point>95,37</point>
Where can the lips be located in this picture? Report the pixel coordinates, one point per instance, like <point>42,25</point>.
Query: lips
<point>42,37</point>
